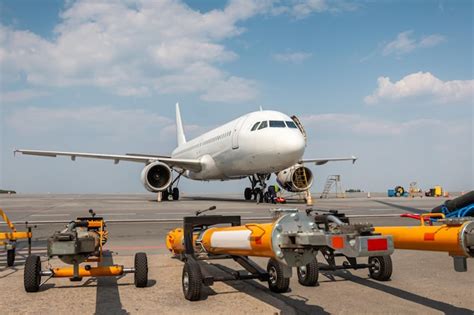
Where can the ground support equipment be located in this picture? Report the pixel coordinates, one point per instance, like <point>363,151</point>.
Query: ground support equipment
<point>291,240</point>
<point>81,242</point>
<point>452,235</point>
<point>9,239</point>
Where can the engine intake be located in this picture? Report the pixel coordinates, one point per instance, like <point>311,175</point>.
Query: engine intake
<point>296,178</point>
<point>156,176</point>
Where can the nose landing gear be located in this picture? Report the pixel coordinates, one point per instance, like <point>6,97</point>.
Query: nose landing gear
<point>254,192</point>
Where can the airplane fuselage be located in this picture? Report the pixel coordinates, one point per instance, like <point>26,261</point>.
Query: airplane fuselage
<point>242,147</point>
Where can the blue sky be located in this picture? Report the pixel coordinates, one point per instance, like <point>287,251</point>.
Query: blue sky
<point>390,82</point>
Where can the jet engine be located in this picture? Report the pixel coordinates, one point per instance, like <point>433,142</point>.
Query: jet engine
<point>156,176</point>
<point>296,178</point>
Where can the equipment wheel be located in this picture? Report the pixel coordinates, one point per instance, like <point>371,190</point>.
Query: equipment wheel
<point>10,257</point>
<point>248,193</point>
<point>32,274</point>
<point>141,270</point>
<point>192,281</point>
<point>175,193</point>
<point>399,191</point>
<point>308,275</point>
<point>382,267</point>
<point>165,195</point>
<point>276,281</point>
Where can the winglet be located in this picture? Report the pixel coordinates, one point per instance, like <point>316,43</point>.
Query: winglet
<point>354,159</point>
<point>179,127</point>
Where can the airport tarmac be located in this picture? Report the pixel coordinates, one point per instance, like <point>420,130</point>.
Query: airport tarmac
<point>422,282</point>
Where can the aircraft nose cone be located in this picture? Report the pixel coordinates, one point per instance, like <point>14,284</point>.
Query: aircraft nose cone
<point>292,146</point>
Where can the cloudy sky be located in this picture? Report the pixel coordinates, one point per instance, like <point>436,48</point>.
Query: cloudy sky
<point>390,82</point>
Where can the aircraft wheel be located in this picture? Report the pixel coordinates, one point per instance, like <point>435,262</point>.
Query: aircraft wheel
<point>175,193</point>
<point>308,275</point>
<point>32,274</point>
<point>248,193</point>
<point>382,267</point>
<point>10,257</point>
<point>141,270</point>
<point>192,281</point>
<point>276,281</point>
<point>165,195</point>
<point>266,197</point>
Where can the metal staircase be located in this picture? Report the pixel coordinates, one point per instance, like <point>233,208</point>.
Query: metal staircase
<point>333,180</point>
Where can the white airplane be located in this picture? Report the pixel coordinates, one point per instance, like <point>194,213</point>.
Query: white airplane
<point>254,145</point>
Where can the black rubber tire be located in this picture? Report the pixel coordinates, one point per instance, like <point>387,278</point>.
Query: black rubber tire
<point>308,275</point>
<point>266,197</point>
<point>383,269</point>
<point>248,193</point>
<point>165,195</point>
<point>32,273</point>
<point>191,281</point>
<point>10,257</point>
<point>175,193</point>
<point>276,281</point>
<point>258,193</point>
<point>141,270</point>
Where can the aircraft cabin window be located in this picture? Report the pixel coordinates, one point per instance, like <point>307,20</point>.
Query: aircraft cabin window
<point>291,124</point>
<point>277,124</point>
<point>255,126</point>
<point>264,124</point>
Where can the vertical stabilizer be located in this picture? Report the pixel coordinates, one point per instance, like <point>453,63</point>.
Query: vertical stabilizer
<point>179,127</point>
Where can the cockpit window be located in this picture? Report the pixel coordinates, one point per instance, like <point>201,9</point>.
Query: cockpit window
<point>277,124</point>
<point>291,124</point>
<point>255,126</point>
<point>264,124</point>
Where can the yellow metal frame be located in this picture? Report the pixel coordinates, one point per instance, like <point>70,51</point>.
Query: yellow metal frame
<point>14,235</point>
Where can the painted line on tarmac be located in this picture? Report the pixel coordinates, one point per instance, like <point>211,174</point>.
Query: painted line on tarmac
<point>162,221</point>
<point>131,213</point>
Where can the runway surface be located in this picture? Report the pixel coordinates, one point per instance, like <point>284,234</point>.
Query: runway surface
<point>422,282</point>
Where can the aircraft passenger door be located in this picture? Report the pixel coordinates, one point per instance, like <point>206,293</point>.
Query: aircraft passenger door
<point>236,132</point>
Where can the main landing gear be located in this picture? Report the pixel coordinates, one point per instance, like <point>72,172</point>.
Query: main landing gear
<point>254,192</point>
<point>171,191</point>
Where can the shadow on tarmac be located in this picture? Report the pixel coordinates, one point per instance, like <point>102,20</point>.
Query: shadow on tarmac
<point>296,302</point>
<point>108,296</point>
<point>411,209</point>
<point>408,296</point>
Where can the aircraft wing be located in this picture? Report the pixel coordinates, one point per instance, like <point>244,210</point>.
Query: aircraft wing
<point>324,161</point>
<point>187,164</point>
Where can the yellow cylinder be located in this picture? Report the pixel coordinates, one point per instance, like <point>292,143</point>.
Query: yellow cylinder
<point>247,240</point>
<point>444,238</point>
<point>101,271</point>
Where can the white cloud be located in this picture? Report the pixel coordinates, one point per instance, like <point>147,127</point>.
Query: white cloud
<point>295,57</point>
<point>234,88</point>
<point>422,84</point>
<point>406,43</point>
<point>303,8</point>
<point>131,48</point>
<point>20,95</point>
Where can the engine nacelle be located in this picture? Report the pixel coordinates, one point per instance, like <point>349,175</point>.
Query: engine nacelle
<point>156,176</point>
<point>293,178</point>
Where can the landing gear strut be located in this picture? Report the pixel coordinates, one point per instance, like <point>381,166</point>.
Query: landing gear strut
<point>256,192</point>
<point>172,191</point>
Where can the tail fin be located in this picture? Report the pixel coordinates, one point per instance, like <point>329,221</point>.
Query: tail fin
<point>179,127</point>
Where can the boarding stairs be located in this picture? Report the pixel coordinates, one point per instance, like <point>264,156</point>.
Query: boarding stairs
<point>333,180</point>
